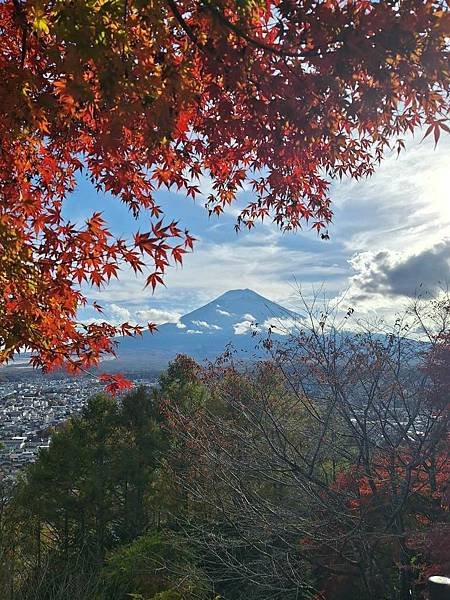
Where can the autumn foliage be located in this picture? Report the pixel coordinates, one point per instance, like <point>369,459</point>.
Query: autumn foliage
<point>319,473</point>
<point>280,95</point>
<point>327,466</point>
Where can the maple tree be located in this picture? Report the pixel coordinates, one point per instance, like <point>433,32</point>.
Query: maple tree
<point>278,94</point>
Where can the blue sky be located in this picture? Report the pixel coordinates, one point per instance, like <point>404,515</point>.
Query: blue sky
<point>390,234</point>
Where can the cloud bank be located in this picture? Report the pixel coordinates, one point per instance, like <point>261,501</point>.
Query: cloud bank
<point>401,274</point>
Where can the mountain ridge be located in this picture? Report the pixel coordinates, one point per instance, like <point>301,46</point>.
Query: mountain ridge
<point>236,317</point>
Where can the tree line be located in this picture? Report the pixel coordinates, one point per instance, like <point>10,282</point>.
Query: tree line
<point>320,472</point>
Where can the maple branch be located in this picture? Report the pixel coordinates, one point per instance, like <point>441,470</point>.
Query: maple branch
<point>125,20</point>
<point>184,25</point>
<point>24,26</point>
<point>259,43</point>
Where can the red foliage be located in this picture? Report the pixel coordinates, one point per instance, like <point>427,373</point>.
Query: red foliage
<point>115,383</point>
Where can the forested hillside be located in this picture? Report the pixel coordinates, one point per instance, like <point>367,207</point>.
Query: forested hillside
<point>320,473</point>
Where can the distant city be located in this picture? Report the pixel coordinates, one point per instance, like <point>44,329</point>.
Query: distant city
<point>30,408</point>
<point>31,404</point>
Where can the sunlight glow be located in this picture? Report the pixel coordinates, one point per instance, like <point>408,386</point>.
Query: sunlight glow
<point>437,191</point>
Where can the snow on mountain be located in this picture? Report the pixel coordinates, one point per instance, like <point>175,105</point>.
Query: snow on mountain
<point>234,317</point>
<point>234,312</point>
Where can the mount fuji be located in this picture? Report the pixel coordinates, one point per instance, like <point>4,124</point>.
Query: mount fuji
<point>238,317</point>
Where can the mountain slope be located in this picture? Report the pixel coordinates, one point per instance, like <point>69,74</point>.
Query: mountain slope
<point>205,332</point>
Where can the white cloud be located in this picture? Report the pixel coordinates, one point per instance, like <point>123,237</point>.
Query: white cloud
<point>245,327</point>
<point>280,326</point>
<point>249,317</point>
<point>223,312</point>
<point>404,274</point>
<point>157,315</point>
<point>117,314</point>
<point>405,204</point>
<point>206,325</point>
<point>92,321</point>
<point>200,324</point>
<point>266,260</point>
<point>193,331</point>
